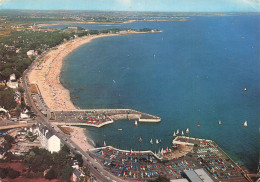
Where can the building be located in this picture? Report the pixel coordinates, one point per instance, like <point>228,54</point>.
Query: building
<point>31,53</point>
<point>12,83</point>
<point>48,140</point>
<point>77,174</point>
<point>197,175</point>
<point>12,77</point>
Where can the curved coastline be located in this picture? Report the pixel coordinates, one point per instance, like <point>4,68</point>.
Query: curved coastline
<point>47,74</point>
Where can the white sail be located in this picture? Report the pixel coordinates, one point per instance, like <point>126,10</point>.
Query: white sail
<point>135,123</point>
<point>174,134</point>
<point>219,122</point>
<point>245,124</point>
<point>157,141</point>
<point>151,141</point>
<point>187,130</point>
<point>177,132</point>
<point>162,151</point>
<point>105,144</point>
<point>182,133</point>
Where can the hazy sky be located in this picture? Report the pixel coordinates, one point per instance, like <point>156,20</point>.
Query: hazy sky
<point>135,5</point>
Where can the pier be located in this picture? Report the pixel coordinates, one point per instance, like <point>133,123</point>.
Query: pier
<point>100,117</point>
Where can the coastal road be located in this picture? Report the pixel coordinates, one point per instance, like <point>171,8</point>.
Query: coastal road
<point>99,173</point>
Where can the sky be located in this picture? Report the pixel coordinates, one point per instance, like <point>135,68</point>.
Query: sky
<point>136,5</point>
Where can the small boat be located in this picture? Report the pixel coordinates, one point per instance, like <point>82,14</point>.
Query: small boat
<point>198,124</point>
<point>151,141</point>
<point>182,133</point>
<point>140,139</point>
<point>156,141</point>
<point>174,134</point>
<point>177,132</point>
<point>105,144</point>
<point>245,89</point>
<point>187,130</point>
<point>245,124</point>
<point>120,129</point>
<point>135,123</point>
<point>219,122</point>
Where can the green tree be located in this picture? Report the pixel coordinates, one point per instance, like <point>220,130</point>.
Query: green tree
<point>51,174</point>
<point>78,157</point>
<point>66,173</point>
<point>9,139</point>
<point>7,99</point>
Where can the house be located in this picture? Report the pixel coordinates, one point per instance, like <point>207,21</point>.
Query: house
<point>22,132</point>
<point>2,109</point>
<point>31,53</point>
<point>77,174</point>
<point>12,82</point>
<point>48,140</point>
<point>12,77</point>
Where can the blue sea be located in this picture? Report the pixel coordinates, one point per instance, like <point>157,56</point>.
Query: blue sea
<point>194,71</point>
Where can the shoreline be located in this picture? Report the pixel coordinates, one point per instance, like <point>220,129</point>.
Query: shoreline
<point>47,74</point>
<point>79,137</point>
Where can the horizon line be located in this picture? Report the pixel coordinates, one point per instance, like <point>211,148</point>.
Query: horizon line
<point>134,11</point>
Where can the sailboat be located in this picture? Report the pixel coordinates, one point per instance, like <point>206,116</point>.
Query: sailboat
<point>245,89</point>
<point>105,144</point>
<point>151,141</point>
<point>198,124</point>
<point>135,123</point>
<point>174,134</point>
<point>140,139</point>
<point>187,130</point>
<point>156,141</point>
<point>177,132</point>
<point>182,133</point>
<point>245,124</point>
<point>219,122</point>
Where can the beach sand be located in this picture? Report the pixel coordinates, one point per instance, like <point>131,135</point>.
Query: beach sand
<point>47,74</point>
<point>79,138</point>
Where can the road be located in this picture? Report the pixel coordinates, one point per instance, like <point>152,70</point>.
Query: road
<point>99,173</point>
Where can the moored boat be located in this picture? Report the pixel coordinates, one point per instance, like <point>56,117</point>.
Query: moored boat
<point>151,141</point>
<point>187,131</point>
<point>174,134</point>
<point>140,139</point>
<point>182,133</point>
<point>156,141</point>
<point>135,123</point>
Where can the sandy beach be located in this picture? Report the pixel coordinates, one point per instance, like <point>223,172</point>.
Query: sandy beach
<point>79,138</point>
<point>47,74</point>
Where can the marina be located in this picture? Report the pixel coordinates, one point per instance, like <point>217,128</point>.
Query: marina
<point>186,154</point>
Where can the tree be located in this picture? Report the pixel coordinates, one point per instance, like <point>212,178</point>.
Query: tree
<point>9,139</point>
<point>7,99</point>
<point>21,90</point>
<point>65,149</point>
<point>78,157</point>
<point>3,173</point>
<point>13,173</point>
<point>66,173</point>
<point>51,174</point>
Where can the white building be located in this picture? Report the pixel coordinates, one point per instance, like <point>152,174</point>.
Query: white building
<point>12,77</point>
<point>48,140</point>
<point>31,53</point>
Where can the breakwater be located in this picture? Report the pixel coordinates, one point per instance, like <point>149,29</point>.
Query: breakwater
<point>101,117</point>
